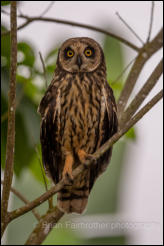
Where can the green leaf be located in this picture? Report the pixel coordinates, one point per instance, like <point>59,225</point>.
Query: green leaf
<point>27,129</point>
<point>30,90</point>
<point>131,134</point>
<point>23,152</point>
<point>114,63</point>
<point>117,88</point>
<point>29,55</point>
<point>50,69</point>
<point>3,3</point>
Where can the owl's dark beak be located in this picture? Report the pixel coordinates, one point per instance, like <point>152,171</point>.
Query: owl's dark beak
<point>79,61</point>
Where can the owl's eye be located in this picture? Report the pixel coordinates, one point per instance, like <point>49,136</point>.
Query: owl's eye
<point>88,52</point>
<point>69,53</point>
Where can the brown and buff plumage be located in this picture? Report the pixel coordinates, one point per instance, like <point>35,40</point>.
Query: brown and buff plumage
<point>78,116</point>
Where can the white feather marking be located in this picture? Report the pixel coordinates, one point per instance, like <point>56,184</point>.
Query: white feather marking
<point>104,100</point>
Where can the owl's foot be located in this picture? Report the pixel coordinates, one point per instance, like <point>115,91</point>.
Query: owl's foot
<point>67,171</point>
<point>83,156</point>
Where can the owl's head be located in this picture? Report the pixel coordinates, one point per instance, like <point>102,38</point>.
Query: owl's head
<point>80,55</point>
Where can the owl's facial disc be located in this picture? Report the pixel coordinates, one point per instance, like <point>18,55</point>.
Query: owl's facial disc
<point>80,55</point>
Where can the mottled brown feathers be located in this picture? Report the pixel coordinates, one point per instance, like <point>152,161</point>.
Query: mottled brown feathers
<point>78,115</point>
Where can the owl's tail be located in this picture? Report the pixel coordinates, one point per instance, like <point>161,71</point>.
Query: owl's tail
<point>74,198</point>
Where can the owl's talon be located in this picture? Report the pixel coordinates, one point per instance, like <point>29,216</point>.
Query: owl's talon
<point>68,174</point>
<point>90,157</point>
<point>83,156</point>
<point>68,179</point>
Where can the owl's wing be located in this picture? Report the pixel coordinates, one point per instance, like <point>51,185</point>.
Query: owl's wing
<point>48,132</point>
<point>108,129</point>
<point>111,108</point>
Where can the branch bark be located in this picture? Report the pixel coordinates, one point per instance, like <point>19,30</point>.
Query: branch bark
<point>9,165</point>
<point>142,94</point>
<point>44,227</point>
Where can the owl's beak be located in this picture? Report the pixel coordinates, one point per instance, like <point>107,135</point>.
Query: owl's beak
<point>79,61</point>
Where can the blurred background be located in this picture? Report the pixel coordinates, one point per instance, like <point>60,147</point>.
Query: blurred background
<point>125,205</point>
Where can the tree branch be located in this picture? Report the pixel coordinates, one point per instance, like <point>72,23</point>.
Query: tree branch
<point>140,97</point>
<point>145,53</point>
<point>50,200</point>
<point>47,9</point>
<point>151,21</point>
<point>23,199</point>
<point>20,211</point>
<point>44,227</point>
<point>9,165</point>
<point>127,25</point>
<point>76,24</point>
<point>123,71</point>
<point>20,27</point>
<point>44,69</point>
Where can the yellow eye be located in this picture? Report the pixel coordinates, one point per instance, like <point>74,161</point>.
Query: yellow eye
<point>70,53</point>
<point>88,52</point>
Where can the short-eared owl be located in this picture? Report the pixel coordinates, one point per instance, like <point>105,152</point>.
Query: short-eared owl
<point>79,115</point>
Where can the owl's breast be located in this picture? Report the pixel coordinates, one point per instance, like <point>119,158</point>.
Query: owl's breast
<point>80,115</point>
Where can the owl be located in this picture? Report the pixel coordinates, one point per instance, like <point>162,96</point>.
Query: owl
<point>79,115</point>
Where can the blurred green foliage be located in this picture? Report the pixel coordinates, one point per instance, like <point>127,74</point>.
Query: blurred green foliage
<point>30,88</point>
<point>3,3</point>
<point>28,94</point>
<point>115,65</point>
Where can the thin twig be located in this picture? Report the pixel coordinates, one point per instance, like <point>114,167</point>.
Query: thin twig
<point>75,24</point>
<point>44,69</point>
<point>47,9</point>
<point>151,21</point>
<point>18,212</point>
<point>20,27</point>
<point>22,198</point>
<point>41,167</point>
<point>123,71</point>
<point>5,12</point>
<point>10,147</point>
<point>50,201</point>
<point>127,25</point>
